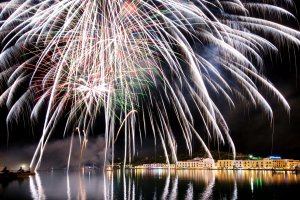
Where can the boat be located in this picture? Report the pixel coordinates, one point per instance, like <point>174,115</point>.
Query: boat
<point>8,175</point>
<point>25,174</point>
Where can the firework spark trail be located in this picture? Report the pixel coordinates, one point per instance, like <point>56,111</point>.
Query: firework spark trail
<point>124,56</point>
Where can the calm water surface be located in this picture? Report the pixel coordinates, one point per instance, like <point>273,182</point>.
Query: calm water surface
<point>154,184</point>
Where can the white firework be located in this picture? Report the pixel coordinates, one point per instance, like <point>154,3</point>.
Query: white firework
<point>124,57</point>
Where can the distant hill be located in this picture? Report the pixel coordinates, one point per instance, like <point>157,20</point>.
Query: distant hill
<point>217,155</point>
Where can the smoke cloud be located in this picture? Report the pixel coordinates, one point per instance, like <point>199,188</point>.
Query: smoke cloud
<point>56,154</point>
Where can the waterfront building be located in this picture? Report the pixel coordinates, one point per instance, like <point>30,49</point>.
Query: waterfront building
<point>266,163</point>
<point>270,163</point>
<point>278,163</point>
<point>263,164</point>
<point>196,163</point>
<point>158,166</point>
<point>292,164</point>
<point>225,164</point>
<point>209,163</point>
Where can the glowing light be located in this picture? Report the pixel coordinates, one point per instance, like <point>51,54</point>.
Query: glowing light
<point>275,157</point>
<point>252,184</point>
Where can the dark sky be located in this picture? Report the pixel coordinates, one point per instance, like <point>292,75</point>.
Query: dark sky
<point>251,130</point>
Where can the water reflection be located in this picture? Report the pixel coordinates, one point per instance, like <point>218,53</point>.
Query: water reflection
<point>36,188</point>
<point>207,193</point>
<point>153,184</point>
<point>68,185</point>
<point>197,184</point>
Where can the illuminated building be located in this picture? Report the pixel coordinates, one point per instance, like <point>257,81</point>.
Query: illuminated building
<point>245,164</point>
<point>254,163</point>
<point>292,164</point>
<point>158,166</point>
<point>196,163</point>
<point>225,164</point>
<point>263,164</point>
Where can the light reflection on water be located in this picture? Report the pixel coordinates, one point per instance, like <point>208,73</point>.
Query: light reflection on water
<point>153,184</point>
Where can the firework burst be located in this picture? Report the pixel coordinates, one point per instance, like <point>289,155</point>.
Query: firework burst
<point>123,57</point>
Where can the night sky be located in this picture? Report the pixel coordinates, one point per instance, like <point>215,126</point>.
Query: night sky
<point>251,130</point>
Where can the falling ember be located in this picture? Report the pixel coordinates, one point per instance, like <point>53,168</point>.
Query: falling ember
<point>133,58</point>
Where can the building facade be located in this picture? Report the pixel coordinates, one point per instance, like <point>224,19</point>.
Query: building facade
<point>260,164</point>
<point>270,163</point>
<point>196,163</point>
